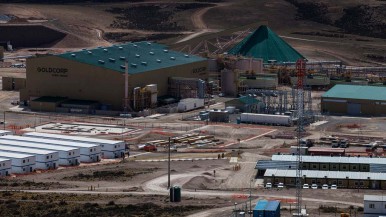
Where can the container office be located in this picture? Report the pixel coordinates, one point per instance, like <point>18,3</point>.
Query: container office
<point>44,159</point>
<point>109,148</point>
<point>5,132</point>
<point>5,166</point>
<point>21,163</point>
<point>67,155</point>
<point>88,152</point>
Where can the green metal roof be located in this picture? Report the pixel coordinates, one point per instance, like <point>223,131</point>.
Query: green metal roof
<point>248,100</point>
<point>267,45</point>
<point>356,92</point>
<point>141,56</point>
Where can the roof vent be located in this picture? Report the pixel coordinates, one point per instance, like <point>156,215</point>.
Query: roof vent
<point>166,51</point>
<point>186,55</point>
<point>73,55</point>
<point>172,58</point>
<point>148,43</point>
<point>123,67</point>
<point>158,61</point>
<point>151,53</point>
<point>111,59</point>
<point>133,65</point>
<point>120,48</point>
<point>137,55</point>
<point>122,58</point>
<point>144,63</point>
<point>135,45</point>
<point>101,61</point>
<point>105,50</point>
<point>89,52</point>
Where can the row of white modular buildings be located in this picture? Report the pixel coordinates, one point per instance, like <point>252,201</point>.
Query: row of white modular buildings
<point>24,154</point>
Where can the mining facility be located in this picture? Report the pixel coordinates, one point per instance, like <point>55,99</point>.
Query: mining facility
<point>126,77</point>
<point>208,105</point>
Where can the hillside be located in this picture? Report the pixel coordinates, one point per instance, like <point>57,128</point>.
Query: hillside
<point>324,30</point>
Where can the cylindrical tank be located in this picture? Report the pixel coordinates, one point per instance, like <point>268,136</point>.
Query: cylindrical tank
<point>177,194</point>
<point>171,194</point>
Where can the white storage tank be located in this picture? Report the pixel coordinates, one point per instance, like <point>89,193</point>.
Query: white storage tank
<point>154,93</point>
<point>283,120</point>
<point>189,104</point>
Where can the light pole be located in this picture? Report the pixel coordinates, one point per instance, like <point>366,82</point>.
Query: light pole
<point>235,209</point>
<point>250,197</point>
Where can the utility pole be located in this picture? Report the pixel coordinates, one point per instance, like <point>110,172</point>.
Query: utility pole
<point>301,69</point>
<point>169,164</point>
<point>250,197</point>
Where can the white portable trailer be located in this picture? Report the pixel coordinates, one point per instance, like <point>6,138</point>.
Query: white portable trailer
<point>88,152</point>
<point>21,163</point>
<point>5,166</point>
<point>5,132</point>
<point>68,156</point>
<point>109,148</point>
<point>44,159</point>
<point>268,119</point>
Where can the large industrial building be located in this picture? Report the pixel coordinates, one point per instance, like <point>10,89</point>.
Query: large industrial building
<point>355,100</point>
<point>95,79</point>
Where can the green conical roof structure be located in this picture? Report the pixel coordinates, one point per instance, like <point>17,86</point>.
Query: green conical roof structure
<point>267,45</point>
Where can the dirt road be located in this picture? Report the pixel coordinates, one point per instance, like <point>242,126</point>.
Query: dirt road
<point>199,23</point>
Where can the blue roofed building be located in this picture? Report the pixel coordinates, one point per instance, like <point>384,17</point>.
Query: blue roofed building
<point>98,74</point>
<point>354,100</point>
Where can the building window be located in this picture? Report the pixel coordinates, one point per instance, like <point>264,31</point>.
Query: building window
<point>371,206</point>
<point>324,167</point>
<point>69,154</point>
<point>47,157</point>
<point>344,167</point>
<point>313,181</point>
<point>23,161</point>
<point>361,183</point>
<point>334,167</point>
<point>292,181</point>
<point>340,182</point>
<point>90,150</point>
<point>356,183</point>
<point>313,166</point>
<point>354,167</point>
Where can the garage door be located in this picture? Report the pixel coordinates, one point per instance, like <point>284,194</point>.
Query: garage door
<point>353,109</point>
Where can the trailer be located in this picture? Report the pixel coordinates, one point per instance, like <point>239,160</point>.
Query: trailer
<point>5,166</point>
<point>44,159</point>
<point>109,148</point>
<point>20,163</point>
<point>190,104</point>
<point>5,132</point>
<point>88,152</point>
<point>68,156</point>
<point>267,119</point>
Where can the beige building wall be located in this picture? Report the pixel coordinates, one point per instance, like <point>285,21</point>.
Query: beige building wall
<point>82,81</point>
